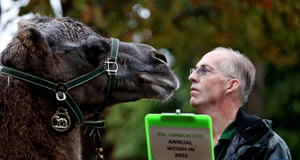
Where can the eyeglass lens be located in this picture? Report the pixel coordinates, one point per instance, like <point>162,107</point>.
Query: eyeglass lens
<point>201,71</point>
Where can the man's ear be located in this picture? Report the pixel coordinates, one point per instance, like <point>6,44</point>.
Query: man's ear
<point>33,40</point>
<point>232,85</point>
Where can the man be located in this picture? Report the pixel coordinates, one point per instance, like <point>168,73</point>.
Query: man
<point>221,84</point>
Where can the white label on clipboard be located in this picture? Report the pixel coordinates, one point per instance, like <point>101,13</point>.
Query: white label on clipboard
<point>175,143</point>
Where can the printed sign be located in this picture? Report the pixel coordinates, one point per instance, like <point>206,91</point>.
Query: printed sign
<point>179,137</point>
<point>173,143</point>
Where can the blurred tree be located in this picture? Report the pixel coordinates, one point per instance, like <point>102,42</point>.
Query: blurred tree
<point>266,31</point>
<point>282,89</point>
<point>36,6</point>
<point>0,11</point>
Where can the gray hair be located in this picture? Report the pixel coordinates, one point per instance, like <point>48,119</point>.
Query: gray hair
<point>240,67</point>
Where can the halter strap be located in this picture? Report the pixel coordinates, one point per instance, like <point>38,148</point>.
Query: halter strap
<point>109,66</point>
<point>112,84</point>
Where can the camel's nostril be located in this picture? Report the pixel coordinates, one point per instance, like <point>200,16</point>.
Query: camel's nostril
<point>160,56</point>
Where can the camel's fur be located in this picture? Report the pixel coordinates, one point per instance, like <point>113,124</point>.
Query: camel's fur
<point>25,126</point>
<point>60,50</point>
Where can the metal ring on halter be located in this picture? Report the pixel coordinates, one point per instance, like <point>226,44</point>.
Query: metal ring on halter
<point>112,67</point>
<point>58,96</point>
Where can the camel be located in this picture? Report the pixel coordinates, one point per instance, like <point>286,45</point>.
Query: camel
<point>62,50</point>
<point>60,122</point>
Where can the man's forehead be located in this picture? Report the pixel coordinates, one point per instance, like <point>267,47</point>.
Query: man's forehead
<point>213,59</point>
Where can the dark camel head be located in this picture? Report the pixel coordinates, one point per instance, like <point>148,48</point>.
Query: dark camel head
<point>62,49</point>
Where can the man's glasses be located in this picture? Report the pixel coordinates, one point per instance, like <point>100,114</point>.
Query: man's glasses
<point>201,71</point>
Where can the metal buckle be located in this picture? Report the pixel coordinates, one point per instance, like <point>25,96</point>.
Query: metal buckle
<point>61,96</point>
<point>112,67</point>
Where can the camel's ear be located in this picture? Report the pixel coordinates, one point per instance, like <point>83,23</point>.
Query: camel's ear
<point>33,40</point>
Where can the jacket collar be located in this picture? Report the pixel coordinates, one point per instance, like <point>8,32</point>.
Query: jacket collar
<point>250,127</point>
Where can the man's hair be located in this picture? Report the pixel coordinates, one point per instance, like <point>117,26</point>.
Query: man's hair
<point>240,67</point>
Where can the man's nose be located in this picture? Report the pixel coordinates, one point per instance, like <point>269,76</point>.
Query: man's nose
<point>193,77</point>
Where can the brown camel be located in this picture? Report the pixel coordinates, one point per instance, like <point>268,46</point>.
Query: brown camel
<point>60,50</point>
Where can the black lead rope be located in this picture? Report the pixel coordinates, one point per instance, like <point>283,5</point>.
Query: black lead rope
<point>61,90</point>
<point>98,144</point>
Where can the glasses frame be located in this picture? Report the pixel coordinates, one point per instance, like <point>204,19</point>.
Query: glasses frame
<point>202,71</point>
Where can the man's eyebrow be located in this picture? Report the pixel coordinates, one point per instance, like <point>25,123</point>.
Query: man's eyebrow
<point>202,65</point>
<point>207,66</point>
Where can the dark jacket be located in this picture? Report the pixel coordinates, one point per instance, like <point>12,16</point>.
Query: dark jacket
<point>255,140</point>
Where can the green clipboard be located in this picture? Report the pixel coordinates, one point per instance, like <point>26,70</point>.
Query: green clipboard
<point>179,136</point>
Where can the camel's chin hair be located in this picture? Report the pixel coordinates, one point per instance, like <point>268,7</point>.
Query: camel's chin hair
<point>161,93</point>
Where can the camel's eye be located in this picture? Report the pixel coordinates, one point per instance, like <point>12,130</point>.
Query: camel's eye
<point>96,51</point>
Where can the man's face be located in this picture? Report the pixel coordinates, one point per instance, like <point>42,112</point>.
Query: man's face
<point>208,89</point>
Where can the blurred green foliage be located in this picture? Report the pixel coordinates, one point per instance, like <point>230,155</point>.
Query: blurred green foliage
<point>282,91</point>
<point>266,31</point>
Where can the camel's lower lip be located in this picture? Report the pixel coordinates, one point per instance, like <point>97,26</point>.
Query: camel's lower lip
<point>161,81</point>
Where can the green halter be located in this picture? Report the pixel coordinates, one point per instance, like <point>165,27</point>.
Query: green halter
<point>62,89</point>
